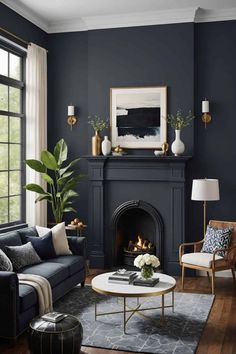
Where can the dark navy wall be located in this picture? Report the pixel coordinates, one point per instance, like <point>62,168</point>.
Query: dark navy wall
<point>143,56</point>
<point>68,84</point>
<point>12,22</point>
<point>215,152</point>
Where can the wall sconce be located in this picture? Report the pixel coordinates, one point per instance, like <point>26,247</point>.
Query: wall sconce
<point>71,120</point>
<point>206,117</point>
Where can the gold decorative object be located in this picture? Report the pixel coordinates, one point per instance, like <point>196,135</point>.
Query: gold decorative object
<point>165,147</point>
<point>96,144</point>
<point>71,120</point>
<point>206,117</point>
<point>118,149</point>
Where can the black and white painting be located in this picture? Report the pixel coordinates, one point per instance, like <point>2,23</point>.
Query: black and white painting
<point>138,117</point>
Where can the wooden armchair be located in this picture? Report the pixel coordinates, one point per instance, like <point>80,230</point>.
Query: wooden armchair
<point>211,263</point>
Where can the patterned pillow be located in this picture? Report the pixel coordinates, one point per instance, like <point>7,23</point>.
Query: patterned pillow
<point>5,263</point>
<point>22,256</point>
<point>216,238</point>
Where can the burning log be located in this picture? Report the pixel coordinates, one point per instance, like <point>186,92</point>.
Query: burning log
<point>140,245</point>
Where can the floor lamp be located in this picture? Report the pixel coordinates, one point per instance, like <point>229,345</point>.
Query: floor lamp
<point>205,190</point>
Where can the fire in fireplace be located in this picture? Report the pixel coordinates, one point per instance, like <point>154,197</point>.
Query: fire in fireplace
<point>141,245</point>
<point>136,247</point>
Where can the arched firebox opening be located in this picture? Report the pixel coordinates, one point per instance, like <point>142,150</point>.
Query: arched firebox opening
<point>137,228</point>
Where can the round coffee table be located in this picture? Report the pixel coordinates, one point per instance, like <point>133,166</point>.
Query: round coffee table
<point>166,284</point>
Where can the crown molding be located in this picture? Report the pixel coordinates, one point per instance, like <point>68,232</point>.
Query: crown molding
<point>172,16</point>
<point>27,14</point>
<point>125,20</point>
<point>203,15</point>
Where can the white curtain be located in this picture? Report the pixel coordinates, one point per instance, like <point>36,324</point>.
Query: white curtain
<point>36,127</point>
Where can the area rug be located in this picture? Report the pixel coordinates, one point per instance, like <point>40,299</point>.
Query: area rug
<point>179,334</point>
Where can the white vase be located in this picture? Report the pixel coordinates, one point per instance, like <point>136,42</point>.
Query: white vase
<point>106,146</point>
<point>177,147</point>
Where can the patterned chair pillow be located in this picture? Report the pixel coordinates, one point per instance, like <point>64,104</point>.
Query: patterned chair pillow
<point>216,238</point>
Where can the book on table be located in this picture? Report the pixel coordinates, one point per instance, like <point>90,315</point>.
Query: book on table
<point>122,276</point>
<point>145,282</point>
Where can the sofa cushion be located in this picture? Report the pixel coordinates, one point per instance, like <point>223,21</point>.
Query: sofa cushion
<point>74,263</point>
<point>27,296</point>
<point>199,259</point>
<point>5,263</point>
<point>27,231</point>
<point>43,245</point>
<point>22,256</point>
<point>55,273</point>
<point>10,239</point>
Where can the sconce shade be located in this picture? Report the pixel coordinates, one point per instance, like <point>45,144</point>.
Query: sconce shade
<point>205,189</point>
<point>71,110</point>
<point>205,106</point>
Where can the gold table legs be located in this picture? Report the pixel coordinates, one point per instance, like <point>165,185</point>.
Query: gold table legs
<point>138,309</point>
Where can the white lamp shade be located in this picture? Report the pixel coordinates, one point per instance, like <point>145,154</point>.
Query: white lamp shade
<point>205,106</point>
<point>205,189</point>
<point>71,111</point>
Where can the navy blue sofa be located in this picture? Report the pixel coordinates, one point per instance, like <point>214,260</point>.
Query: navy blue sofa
<point>19,302</point>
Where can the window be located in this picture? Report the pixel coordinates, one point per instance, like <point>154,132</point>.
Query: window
<point>12,175</point>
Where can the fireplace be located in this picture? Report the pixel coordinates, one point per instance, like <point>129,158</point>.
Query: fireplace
<point>146,190</point>
<point>137,228</point>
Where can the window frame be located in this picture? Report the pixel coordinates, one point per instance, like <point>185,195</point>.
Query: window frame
<point>20,84</point>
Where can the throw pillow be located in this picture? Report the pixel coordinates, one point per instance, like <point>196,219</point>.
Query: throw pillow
<point>43,245</point>
<point>59,240</point>
<point>22,256</point>
<point>27,231</point>
<point>5,263</point>
<point>42,231</point>
<point>216,238</point>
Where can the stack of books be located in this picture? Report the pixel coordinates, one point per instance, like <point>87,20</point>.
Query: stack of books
<point>145,282</point>
<point>122,276</point>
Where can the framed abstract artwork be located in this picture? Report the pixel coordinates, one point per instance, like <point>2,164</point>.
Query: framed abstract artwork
<point>138,117</point>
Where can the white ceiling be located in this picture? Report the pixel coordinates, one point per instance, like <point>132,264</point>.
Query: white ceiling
<point>80,15</point>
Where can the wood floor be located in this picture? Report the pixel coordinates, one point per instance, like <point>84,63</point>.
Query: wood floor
<point>219,336</point>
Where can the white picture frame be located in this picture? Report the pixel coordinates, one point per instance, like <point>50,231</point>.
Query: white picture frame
<point>138,117</point>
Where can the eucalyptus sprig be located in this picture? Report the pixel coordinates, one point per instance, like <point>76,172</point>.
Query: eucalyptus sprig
<point>179,121</point>
<point>98,123</point>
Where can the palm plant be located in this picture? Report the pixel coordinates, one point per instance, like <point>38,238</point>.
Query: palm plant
<point>59,177</point>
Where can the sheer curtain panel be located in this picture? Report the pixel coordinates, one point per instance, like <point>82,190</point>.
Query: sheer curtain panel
<point>36,127</point>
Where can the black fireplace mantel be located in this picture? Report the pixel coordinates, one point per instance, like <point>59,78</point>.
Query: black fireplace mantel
<point>114,180</point>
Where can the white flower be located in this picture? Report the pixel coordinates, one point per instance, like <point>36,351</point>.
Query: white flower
<point>146,259</point>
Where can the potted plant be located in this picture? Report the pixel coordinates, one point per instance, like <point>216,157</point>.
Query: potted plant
<point>60,180</point>
<point>178,122</point>
<point>98,124</point>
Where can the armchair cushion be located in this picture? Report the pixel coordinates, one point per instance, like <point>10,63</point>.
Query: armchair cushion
<point>216,238</point>
<point>199,259</point>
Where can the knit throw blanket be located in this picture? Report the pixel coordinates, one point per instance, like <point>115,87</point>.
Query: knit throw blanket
<point>43,288</point>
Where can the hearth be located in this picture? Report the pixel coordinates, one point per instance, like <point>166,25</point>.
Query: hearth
<point>135,248</point>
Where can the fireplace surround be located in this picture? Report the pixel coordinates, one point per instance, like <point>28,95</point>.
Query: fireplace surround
<point>150,186</point>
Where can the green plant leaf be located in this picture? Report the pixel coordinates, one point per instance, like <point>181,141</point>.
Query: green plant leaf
<point>69,209</point>
<point>71,164</point>
<point>47,178</point>
<point>69,194</point>
<point>35,188</point>
<point>44,197</point>
<point>49,160</point>
<point>36,165</point>
<point>61,151</point>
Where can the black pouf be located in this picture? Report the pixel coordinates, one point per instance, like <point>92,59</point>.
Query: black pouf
<point>63,337</point>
